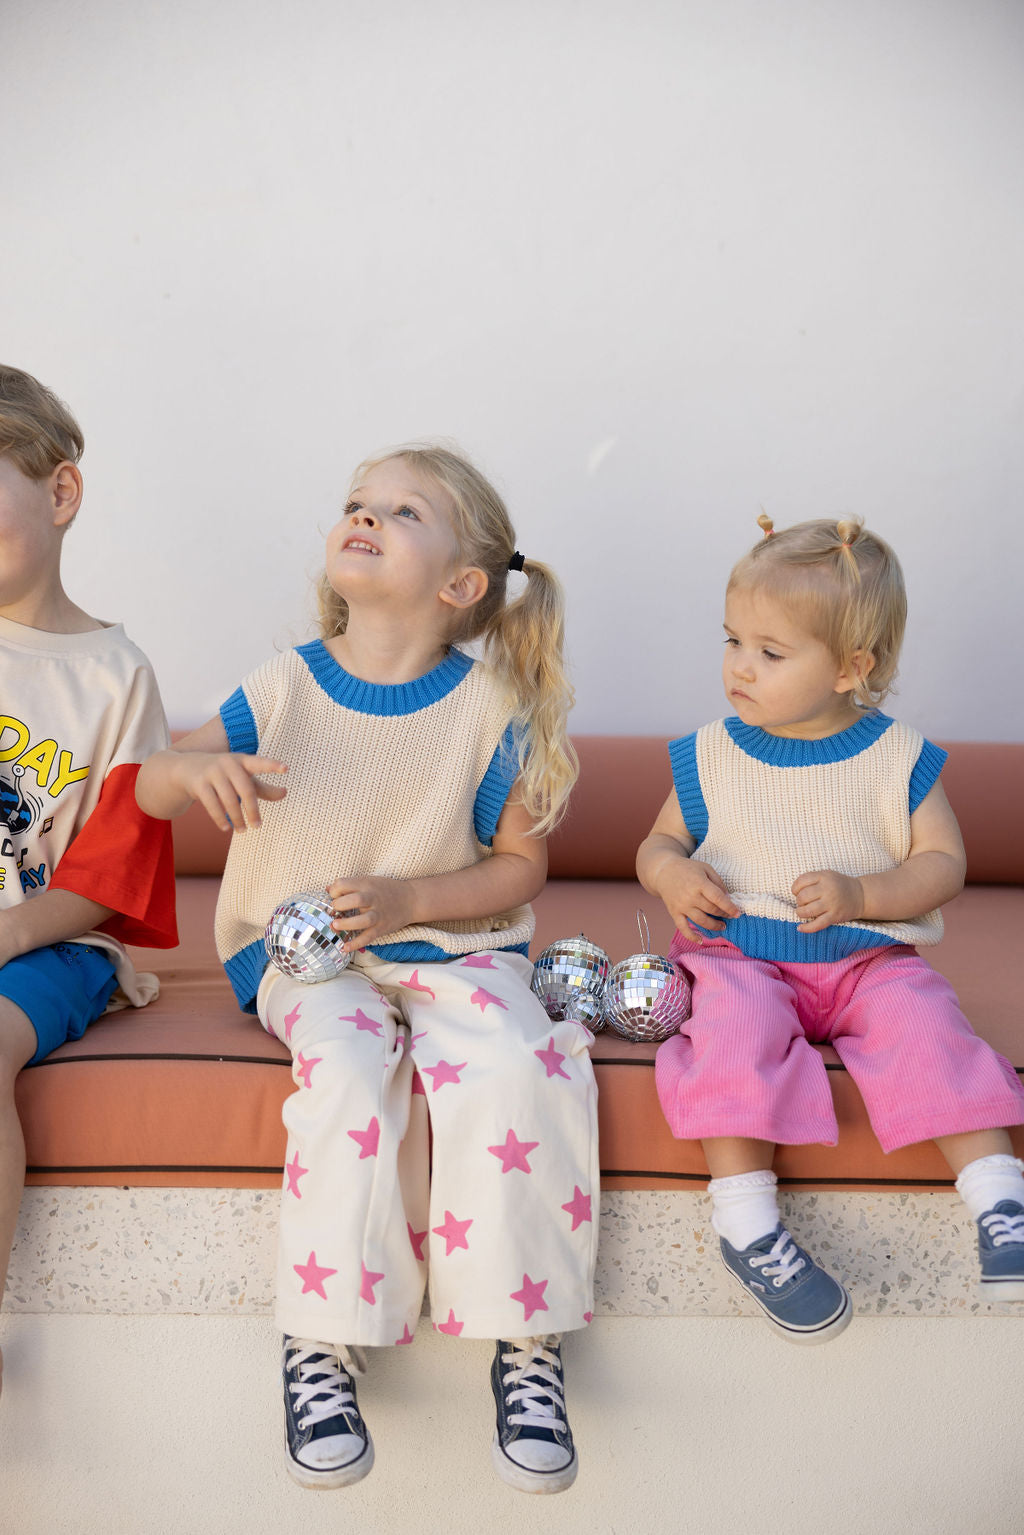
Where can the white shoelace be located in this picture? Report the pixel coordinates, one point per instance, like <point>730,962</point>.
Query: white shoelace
<point>536,1385</point>
<point>330,1394</point>
<point>784,1257</point>
<point>1004,1228</point>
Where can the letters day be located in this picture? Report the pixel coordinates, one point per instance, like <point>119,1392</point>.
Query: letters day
<point>52,766</point>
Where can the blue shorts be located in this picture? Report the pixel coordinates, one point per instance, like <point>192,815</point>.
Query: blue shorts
<point>61,990</point>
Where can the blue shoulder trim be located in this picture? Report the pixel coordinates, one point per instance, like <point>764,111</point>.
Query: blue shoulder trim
<point>383,698</point>
<point>494,787</point>
<point>245,972</point>
<point>410,953</point>
<point>237,719</point>
<point>771,939</point>
<point>786,751</point>
<point>683,756</point>
<point>926,771</point>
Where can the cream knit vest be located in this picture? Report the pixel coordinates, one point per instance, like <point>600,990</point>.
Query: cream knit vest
<point>767,822</point>
<point>381,780</point>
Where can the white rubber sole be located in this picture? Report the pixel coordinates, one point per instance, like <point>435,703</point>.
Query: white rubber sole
<point>327,1481</point>
<point>995,1290</point>
<point>804,1335</point>
<point>532,1481</point>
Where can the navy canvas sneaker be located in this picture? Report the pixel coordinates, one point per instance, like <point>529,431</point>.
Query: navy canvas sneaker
<point>1001,1250</point>
<point>798,1298</point>
<point>532,1449</point>
<point>326,1441</point>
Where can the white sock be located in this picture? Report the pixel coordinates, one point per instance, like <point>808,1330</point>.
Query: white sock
<point>983,1183</point>
<point>744,1208</point>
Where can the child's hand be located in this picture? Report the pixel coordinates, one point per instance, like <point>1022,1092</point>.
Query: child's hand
<point>371,906</point>
<point>824,897</point>
<point>224,783</point>
<point>694,895</point>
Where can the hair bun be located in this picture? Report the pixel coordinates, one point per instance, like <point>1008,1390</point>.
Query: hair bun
<point>766,524</point>
<point>849,531</point>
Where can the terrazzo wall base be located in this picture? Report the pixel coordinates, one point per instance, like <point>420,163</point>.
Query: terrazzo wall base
<point>174,1251</point>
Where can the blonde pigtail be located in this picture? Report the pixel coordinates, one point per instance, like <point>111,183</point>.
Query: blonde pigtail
<point>523,642</point>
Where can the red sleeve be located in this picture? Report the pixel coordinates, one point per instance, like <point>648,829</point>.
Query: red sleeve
<point>124,859</point>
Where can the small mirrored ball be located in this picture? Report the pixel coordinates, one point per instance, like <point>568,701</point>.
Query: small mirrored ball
<point>300,940</point>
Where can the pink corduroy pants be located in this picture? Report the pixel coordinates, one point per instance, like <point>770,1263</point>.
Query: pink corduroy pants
<point>743,1064</point>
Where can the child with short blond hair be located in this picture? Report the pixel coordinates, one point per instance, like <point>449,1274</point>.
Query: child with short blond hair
<point>82,870</point>
<point>804,853</point>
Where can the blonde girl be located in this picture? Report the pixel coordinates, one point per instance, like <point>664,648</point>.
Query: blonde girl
<point>414,784</point>
<point>804,853</point>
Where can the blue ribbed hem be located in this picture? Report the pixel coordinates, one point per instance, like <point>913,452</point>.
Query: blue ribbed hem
<point>245,972</point>
<point>495,786</point>
<point>786,751</point>
<point>383,698</point>
<point>926,771</point>
<point>772,939</point>
<point>413,953</point>
<point>683,757</point>
<point>237,719</point>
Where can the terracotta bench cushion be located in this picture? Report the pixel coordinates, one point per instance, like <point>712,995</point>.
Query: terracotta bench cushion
<point>189,1091</point>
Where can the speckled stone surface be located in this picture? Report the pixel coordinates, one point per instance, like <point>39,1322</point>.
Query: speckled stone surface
<point>211,1251</point>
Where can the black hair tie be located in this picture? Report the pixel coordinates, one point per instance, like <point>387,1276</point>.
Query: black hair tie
<point>517,561</point>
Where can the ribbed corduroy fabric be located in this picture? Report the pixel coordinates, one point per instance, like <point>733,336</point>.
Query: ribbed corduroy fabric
<point>403,780</point>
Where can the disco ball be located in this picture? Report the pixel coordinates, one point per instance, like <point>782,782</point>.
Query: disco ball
<point>300,940</point>
<point>569,979</point>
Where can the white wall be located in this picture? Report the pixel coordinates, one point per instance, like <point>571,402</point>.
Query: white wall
<point>652,264</point>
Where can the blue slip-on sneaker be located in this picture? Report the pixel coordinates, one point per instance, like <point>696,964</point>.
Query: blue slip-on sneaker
<point>532,1448</point>
<point>1001,1251</point>
<point>327,1444</point>
<point>798,1298</point>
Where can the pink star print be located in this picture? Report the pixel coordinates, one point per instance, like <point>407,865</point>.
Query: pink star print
<point>369,1280</point>
<point>454,1233</point>
<point>513,1153</point>
<point>305,1070</point>
<point>531,1295</point>
<point>417,1084</point>
<point>478,962</point>
<point>415,984</point>
<point>578,1207</point>
<point>552,1060</point>
<point>365,1022</point>
<point>444,1072</point>
<point>451,1327</point>
<point>406,1335</point>
<point>588,1317</point>
<point>416,1238</point>
<point>414,1038</point>
<point>484,999</point>
<point>295,1172</point>
<point>291,1019</point>
<point>368,1139</point>
<point>313,1276</point>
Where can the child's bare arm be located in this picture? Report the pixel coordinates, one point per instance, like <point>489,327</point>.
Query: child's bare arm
<point>202,767</point>
<point>53,916</point>
<point>932,875</point>
<point>692,892</point>
<point>514,874</point>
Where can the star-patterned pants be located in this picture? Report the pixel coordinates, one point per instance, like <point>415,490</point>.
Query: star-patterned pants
<point>503,1211</point>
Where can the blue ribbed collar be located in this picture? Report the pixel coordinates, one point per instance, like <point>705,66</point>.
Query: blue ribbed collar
<point>786,751</point>
<point>388,698</point>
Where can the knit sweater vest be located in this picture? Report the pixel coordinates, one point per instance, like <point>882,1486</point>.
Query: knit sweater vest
<point>401,780</point>
<point>765,809</point>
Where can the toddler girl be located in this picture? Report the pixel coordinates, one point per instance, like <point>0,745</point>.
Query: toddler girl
<point>420,783</point>
<point>803,855</point>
